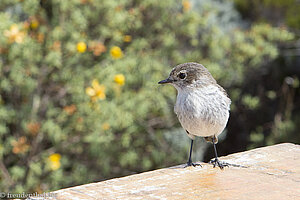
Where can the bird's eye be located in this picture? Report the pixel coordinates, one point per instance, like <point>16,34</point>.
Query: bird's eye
<point>182,75</point>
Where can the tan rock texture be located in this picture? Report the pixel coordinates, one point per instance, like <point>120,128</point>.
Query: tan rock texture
<point>271,172</point>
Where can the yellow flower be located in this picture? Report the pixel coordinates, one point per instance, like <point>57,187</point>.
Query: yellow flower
<point>105,126</point>
<point>119,79</point>
<point>127,38</point>
<point>90,91</point>
<point>14,34</point>
<point>81,47</point>
<point>55,157</point>
<point>116,52</point>
<point>97,91</point>
<point>54,161</point>
<point>186,4</point>
<point>55,165</point>
<point>34,24</point>
<point>14,29</point>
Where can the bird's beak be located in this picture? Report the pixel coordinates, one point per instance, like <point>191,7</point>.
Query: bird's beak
<point>168,80</point>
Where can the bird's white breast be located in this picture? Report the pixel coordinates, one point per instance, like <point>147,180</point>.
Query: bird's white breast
<point>202,111</point>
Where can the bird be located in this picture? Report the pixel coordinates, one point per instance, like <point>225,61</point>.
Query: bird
<point>202,105</point>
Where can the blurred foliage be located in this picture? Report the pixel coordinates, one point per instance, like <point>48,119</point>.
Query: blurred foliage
<point>79,100</point>
<point>278,12</point>
<point>279,81</point>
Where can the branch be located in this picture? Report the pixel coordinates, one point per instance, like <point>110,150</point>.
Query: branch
<point>6,174</point>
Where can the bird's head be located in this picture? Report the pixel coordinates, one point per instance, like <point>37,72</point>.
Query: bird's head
<point>189,75</point>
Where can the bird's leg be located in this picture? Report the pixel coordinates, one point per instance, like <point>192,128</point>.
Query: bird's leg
<point>190,163</point>
<point>216,161</point>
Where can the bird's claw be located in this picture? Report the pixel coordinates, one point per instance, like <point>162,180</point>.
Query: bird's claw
<point>220,164</point>
<point>189,163</point>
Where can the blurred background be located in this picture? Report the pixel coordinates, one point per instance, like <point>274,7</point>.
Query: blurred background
<point>79,99</point>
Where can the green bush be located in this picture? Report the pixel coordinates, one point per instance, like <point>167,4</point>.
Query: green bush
<point>79,99</point>
<point>274,11</point>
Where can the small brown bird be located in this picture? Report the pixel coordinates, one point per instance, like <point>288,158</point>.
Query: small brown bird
<point>202,106</point>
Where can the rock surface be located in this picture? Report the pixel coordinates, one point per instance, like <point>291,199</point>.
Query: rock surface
<point>271,172</point>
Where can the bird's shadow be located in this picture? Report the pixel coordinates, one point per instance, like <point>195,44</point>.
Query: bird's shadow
<point>182,166</point>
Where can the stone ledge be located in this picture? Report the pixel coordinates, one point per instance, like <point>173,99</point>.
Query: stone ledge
<point>271,172</point>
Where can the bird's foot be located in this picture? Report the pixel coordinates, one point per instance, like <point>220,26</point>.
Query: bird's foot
<point>220,164</point>
<point>190,163</point>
